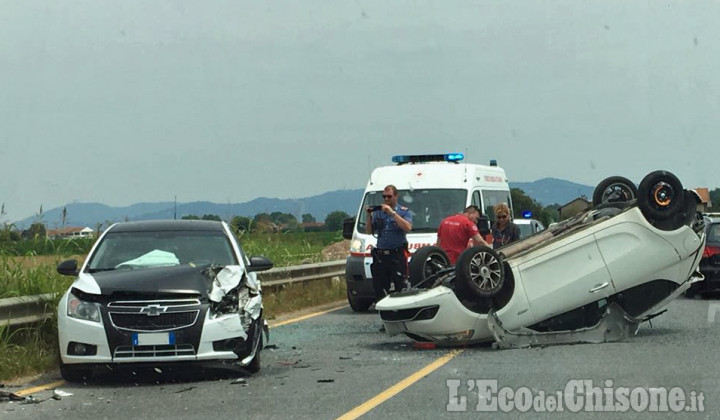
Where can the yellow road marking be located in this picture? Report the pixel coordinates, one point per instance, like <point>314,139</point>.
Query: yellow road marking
<point>398,387</point>
<point>288,321</point>
<point>29,391</point>
<point>304,317</point>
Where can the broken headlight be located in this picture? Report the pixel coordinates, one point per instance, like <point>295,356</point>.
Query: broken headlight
<point>80,309</point>
<point>229,304</point>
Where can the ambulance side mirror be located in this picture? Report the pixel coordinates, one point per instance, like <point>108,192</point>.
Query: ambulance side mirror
<point>348,226</point>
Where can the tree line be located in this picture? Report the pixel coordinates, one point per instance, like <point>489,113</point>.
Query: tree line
<point>286,222</point>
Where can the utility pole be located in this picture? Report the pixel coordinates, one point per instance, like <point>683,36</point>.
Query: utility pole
<point>175,209</point>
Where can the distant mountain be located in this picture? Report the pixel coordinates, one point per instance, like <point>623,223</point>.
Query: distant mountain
<point>91,214</point>
<point>546,191</point>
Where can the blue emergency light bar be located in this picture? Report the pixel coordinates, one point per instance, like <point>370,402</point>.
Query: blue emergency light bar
<point>448,157</point>
<point>527,214</point>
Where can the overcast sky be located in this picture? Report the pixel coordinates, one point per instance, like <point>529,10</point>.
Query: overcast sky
<point>126,101</point>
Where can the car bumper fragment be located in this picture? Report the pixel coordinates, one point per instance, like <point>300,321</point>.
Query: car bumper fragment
<point>615,325</point>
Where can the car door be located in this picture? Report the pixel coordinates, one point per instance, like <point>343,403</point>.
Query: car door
<point>564,275</point>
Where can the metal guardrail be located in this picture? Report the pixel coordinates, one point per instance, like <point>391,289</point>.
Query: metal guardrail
<point>26,310</point>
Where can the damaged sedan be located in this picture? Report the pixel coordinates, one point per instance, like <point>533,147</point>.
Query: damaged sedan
<point>162,292</point>
<point>591,278</point>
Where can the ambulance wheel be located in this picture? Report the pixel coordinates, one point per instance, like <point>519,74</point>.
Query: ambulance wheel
<point>358,304</point>
<point>425,263</point>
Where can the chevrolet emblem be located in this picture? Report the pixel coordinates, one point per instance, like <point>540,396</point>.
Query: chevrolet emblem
<point>153,310</point>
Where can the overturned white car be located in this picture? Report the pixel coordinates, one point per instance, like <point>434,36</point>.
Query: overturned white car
<point>161,293</point>
<point>591,278</point>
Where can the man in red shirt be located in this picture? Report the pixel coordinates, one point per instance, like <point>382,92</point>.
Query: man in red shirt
<point>455,231</point>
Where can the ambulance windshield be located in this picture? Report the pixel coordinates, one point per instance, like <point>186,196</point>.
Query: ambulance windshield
<point>428,206</point>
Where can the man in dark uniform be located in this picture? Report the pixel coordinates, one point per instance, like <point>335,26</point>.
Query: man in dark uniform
<point>390,223</point>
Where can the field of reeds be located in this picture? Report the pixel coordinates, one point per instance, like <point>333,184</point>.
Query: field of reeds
<point>29,269</point>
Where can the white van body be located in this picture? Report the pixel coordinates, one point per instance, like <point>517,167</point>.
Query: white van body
<point>432,188</point>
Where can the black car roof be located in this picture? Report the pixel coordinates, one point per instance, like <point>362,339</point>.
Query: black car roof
<point>165,225</point>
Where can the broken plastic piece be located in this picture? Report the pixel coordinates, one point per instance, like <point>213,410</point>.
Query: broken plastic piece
<point>424,345</point>
<point>227,279</point>
<point>10,396</point>
<point>615,325</point>
<point>58,394</point>
<point>254,306</point>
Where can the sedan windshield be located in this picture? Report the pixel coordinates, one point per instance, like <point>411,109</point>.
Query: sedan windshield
<point>161,248</point>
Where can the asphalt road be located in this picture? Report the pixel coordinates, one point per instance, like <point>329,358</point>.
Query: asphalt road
<point>338,364</point>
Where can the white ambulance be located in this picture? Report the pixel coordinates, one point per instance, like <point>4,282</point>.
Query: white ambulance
<point>432,187</point>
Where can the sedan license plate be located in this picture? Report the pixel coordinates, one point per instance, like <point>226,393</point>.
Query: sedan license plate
<point>153,339</point>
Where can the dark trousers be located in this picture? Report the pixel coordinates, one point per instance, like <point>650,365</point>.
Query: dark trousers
<point>388,267</point>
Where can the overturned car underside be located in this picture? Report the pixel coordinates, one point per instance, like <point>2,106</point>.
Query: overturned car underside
<point>591,278</point>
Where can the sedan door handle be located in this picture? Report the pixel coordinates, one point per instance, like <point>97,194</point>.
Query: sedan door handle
<point>598,287</point>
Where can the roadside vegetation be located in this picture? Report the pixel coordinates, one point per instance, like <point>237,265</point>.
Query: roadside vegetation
<point>27,267</point>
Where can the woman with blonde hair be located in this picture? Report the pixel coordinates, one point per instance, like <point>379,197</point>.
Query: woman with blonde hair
<point>504,231</point>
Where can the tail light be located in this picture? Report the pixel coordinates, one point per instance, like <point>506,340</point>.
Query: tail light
<point>710,251</point>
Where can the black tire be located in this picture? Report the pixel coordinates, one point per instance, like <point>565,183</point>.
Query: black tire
<point>74,373</point>
<point>426,262</point>
<point>480,271</point>
<point>254,365</point>
<point>614,189</point>
<point>358,304</point>
<point>660,196</point>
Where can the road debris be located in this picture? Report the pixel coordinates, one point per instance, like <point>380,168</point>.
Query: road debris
<point>326,380</point>
<point>10,396</point>
<point>239,381</point>
<point>58,394</point>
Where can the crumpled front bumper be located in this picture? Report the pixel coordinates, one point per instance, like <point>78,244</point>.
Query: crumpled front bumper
<point>433,315</point>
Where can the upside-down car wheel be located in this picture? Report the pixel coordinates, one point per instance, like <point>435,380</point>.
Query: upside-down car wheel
<point>660,196</point>
<point>425,263</point>
<point>614,189</point>
<point>480,271</point>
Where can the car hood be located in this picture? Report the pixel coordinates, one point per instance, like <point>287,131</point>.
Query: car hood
<point>181,279</point>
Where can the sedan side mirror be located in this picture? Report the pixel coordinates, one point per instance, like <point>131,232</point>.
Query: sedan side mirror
<point>259,263</point>
<point>68,268</point>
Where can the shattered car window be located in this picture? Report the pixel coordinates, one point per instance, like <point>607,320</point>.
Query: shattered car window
<point>154,249</point>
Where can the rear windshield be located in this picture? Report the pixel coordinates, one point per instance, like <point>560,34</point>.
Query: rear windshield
<point>428,207</point>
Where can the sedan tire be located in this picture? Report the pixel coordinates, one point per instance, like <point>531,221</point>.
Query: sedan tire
<point>480,270</point>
